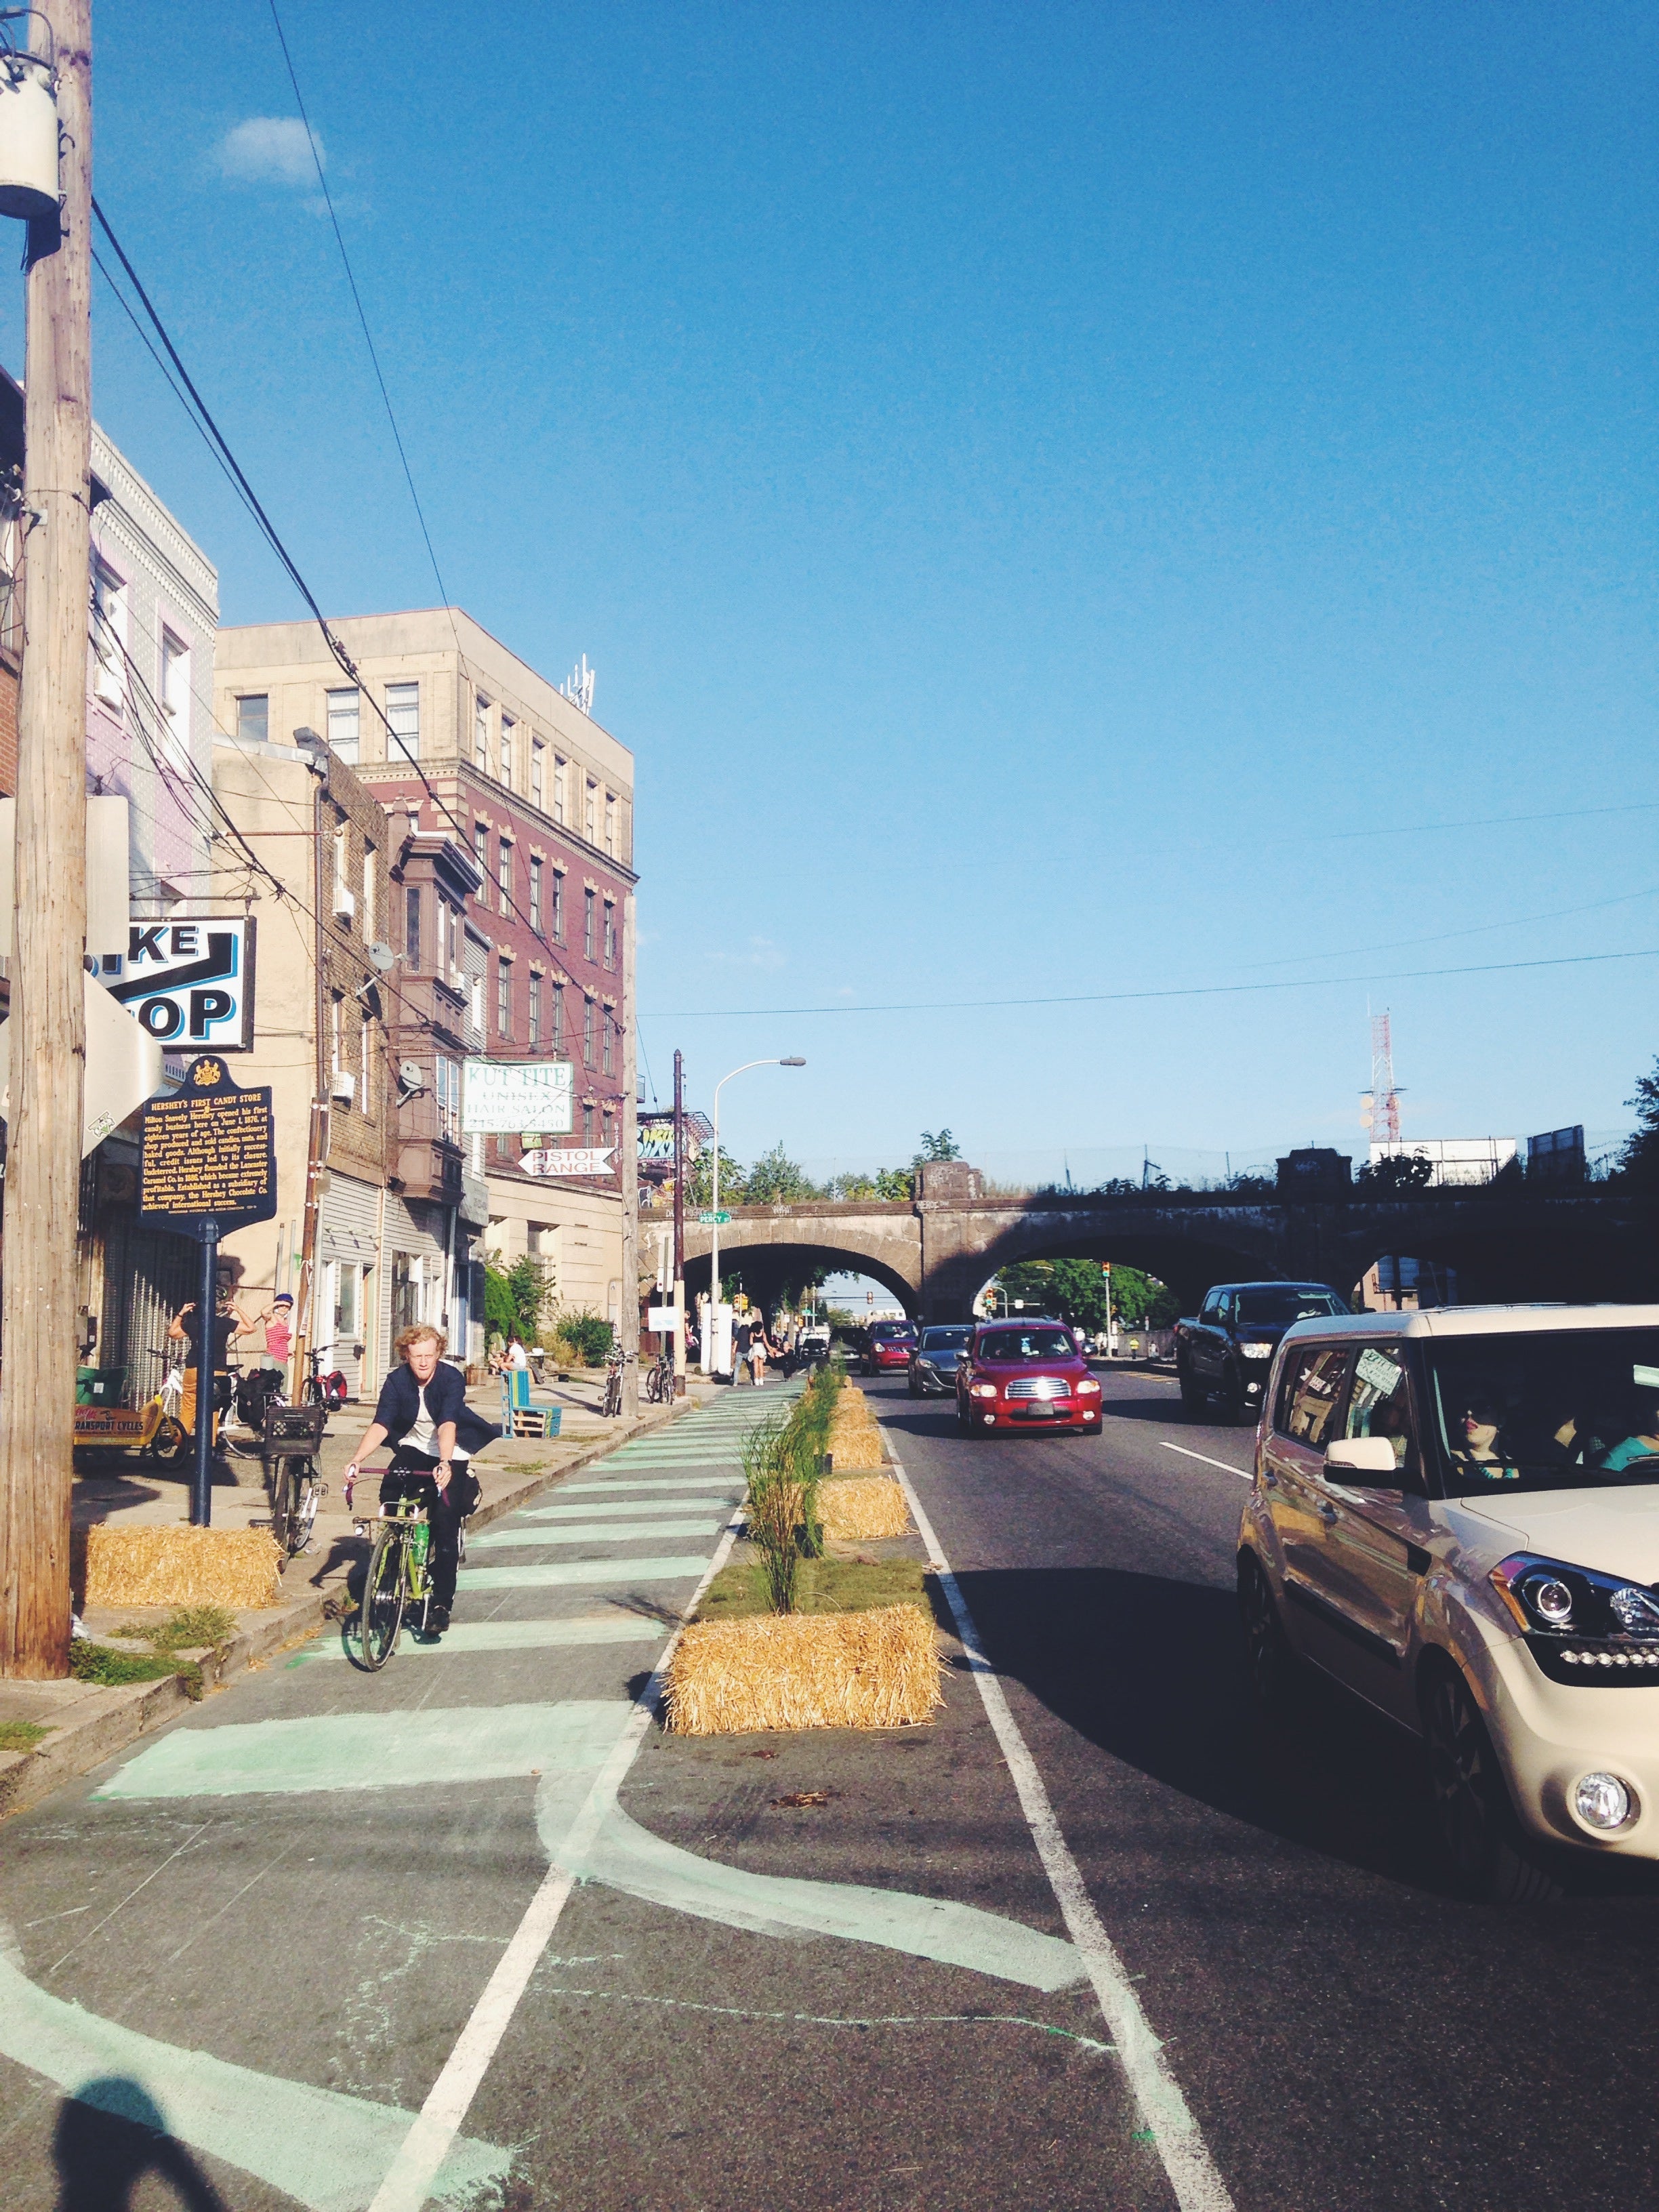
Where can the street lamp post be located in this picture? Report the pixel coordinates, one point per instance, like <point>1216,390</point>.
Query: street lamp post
<point>792,1060</point>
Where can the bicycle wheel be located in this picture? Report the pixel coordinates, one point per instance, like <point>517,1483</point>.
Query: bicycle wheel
<point>381,1613</point>
<point>282,1509</point>
<point>304,1513</point>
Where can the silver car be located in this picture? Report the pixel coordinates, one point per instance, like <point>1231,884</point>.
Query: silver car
<point>933,1362</point>
<point>1455,1515</point>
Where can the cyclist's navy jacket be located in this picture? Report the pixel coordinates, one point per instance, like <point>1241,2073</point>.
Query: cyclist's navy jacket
<point>399,1407</point>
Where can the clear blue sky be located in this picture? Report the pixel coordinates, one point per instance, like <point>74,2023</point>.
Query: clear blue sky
<point>1055,496</point>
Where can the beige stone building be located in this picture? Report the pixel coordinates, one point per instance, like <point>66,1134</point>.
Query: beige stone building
<point>477,762</point>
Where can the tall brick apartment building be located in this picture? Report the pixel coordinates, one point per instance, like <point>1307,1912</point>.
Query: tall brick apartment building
<point>540,801</point>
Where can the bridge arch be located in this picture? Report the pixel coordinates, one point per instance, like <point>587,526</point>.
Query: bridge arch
<point>769,1254</point>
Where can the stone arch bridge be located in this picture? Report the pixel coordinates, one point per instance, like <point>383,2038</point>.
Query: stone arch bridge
<point>936,1251</point>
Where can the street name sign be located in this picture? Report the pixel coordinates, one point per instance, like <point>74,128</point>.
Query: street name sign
<point>503,1096</point>
<point>189,983</point>
<point>708,1220</point>
<point>207,1156</point>
<point>579,1160</point>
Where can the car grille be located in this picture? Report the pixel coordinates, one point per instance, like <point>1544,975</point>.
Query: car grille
<point>1040,1386</point>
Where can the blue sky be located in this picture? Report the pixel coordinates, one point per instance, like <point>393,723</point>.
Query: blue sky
<point>1057,498</point>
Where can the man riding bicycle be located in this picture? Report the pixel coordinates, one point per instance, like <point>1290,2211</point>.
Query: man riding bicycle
<point>423,1414</point>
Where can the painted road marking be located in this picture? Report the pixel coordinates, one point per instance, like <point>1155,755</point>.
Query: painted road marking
<point>646,1482</point>
<point>1242,1473</point>
<point>622,1510</point>
<point>1192,2174</point>
<point>373,1751</point>
<point>512,1636</point>
<point>592,1532</point>
<point>317,2146</point>
<point>570,1572</point>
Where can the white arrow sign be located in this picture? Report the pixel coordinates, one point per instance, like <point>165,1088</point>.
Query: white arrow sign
<point>580,1160</point>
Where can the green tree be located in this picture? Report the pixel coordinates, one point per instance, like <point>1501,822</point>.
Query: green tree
<point>1396,1176</point>
<point>1141,1301</point>
<point>514,1296</point>
<point>1075,1291</point>
<point>1639,1156</point>
<point>937,1145</point>
<point>776,1180</point>
<point>700,1177</point>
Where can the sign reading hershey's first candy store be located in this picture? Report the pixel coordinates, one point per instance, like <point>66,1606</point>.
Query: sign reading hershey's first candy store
<point>208,1154</point>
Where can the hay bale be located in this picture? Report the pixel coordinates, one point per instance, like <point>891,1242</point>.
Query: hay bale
<point>862,1509</point>
<point>852,1450</point>
<point>232,1567</point>
<point>799,1670</point>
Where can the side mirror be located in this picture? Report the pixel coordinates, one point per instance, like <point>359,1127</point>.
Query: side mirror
<point>1370,1458</point>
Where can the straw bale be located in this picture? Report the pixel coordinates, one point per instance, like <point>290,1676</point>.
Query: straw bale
<point>853,1450</point>
<point>863,1509</point>
<point>797,1670</point>
<point>232,1567</point>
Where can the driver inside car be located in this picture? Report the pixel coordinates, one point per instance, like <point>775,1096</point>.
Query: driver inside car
<point>1475,1439</point>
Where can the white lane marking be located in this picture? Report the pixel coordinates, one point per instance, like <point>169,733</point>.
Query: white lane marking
<point>1242,1473</point>
<point>409,2180</point>
<point>1197,2184</point>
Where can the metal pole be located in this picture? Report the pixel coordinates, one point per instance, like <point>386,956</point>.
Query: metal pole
<point>48,982</point>
<point>207,1313</point>
<point>630,1178</point>
<point>679,1225</point>
<point>317,1144</point>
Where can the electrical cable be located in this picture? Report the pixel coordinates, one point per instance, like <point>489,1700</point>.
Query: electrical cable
<point>1120,998</point>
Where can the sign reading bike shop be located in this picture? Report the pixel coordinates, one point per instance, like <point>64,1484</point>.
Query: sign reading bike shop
<point>207,1156</point>
<point>190,984</point>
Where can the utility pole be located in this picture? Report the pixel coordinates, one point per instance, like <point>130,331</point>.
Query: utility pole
<point>630,1178</point>
<point>48,1015</point>
<point>309,1332</point>
<point>679,1225</point>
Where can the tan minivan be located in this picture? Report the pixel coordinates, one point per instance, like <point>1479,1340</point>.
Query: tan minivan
<point>1455,1515</point>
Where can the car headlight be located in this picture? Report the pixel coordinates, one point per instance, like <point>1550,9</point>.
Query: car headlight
<point>983,1391</point>
<point>1089,1389</point>
<point>1548,1597</point>
<point>1255,1351</point>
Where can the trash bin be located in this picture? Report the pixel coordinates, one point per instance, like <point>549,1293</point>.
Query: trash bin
<point>98,1386</point>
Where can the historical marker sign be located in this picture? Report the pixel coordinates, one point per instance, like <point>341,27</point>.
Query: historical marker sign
<point>209,1154</point>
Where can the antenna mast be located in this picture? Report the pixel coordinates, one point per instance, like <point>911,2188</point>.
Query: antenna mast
<point>1381,1101</point>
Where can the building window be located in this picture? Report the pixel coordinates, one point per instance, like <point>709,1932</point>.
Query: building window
<point>254,718</point>
<point>536,895</point>
<point>537,769</point>
<point>609,1127</point>
<point>559,770</point>
<point>365,1058</point>
<point>587,1032</point>
<point>558,1016</point>
<point>109,637</point>
<point>454,920</point>
<point>605,1042</point>
<point>175,700</point>
<point>535,1010</point>
<point>610,822</point>
<point>342,869</point>
<point>402,712</point>
<point>590,819</point>
<point>558,906</point>
<point>448,1085</point>
<point>504,873</point>
<point>589,904</point>
<point>336,1004</point>
<point>509,729</point>
<point>504,995</point>
<point>588,1121</point>
<point>371,894</point>
<point>609,934</point>
<point>481,854</point>
<point>412,925</point>
<point>475,996</point>
<point>344,724</point>
<point>481,732</point>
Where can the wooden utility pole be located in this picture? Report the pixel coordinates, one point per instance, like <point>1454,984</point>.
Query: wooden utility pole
<point>48,1015</point>
<point>630,1178</point>
<point>310,1329</point>
<point>679,1225</point>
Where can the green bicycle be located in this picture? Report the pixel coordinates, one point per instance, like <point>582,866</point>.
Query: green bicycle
<point>399,1579</point>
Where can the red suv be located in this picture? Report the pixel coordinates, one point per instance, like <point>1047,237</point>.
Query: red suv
<point>1024,1374</point>
<point>889,1344</point>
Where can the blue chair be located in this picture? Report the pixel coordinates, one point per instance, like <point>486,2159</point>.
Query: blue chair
<point>520,1418</point>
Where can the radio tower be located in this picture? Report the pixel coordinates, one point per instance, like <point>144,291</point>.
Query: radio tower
<point>1381,1114</point>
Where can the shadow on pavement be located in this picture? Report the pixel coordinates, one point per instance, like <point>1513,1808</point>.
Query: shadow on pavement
<point>109,2140</point>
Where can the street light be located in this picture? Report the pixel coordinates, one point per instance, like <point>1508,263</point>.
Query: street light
<point>792,1060</point>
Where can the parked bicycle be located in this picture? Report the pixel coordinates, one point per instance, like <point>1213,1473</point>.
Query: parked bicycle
<point>287,1446</point>
<point>659,1379</point>
<point>613,1394</point>
<point>322,1389</point>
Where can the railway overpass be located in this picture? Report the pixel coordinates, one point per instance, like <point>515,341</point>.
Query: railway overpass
<point>936,1251</point>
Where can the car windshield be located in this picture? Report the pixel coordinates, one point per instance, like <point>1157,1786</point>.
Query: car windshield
<point>880,1331</point>
<point>1576,1409</point>
<point>1270,1307</point>
<point>944,1339</point>
<point>1027,1344</point>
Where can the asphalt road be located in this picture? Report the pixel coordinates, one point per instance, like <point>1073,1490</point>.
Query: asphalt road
<point>1347,2032</point>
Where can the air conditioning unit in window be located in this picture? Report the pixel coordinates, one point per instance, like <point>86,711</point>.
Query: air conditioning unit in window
<point>345,902</point>
<point>343,1087</point>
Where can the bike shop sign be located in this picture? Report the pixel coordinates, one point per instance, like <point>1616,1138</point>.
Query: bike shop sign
<point>190,984</point>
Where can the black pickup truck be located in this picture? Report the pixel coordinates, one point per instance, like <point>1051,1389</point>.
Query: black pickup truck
<point>1225,1351</point>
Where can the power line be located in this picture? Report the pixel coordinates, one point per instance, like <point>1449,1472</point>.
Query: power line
<point>1481,822</point>
<point>1118,998</point>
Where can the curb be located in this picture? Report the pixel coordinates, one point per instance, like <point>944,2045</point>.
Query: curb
<point>136,1709</point>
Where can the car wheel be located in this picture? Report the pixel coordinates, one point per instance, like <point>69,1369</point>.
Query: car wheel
<point>1270,1665</point>
<point>1233,1408</point>
<point>1489,1856</point>
<point>1192,1397</point>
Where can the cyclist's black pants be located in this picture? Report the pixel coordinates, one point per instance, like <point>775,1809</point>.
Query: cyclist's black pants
<point>410,1476</point>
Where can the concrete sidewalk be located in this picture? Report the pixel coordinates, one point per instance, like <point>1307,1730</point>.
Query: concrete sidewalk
<point>86,1722</point>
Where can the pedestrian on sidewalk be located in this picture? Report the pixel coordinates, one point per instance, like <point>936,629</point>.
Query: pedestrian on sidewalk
<point>742,1337</point>
<point>759,1345</point>
<point>423,1414</point>
<point>185,1327</point>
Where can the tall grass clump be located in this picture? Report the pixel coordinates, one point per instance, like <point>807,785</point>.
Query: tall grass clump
<point>781,1464</point>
